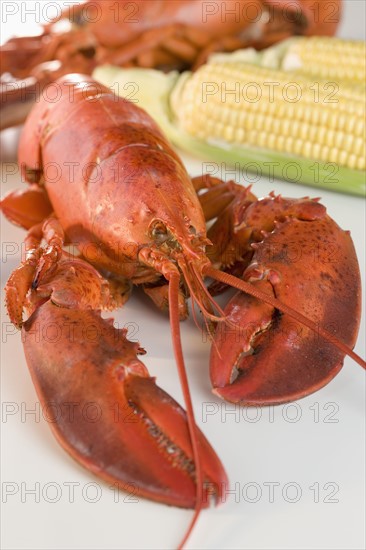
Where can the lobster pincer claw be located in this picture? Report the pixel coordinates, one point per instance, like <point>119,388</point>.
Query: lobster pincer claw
<point>268,358</point>
<point>16,291</point>
<point>108,412</point>
<point>262,356</point>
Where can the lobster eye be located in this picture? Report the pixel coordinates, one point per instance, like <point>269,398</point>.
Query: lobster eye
<point>159,231</point>
<point>88,52</point>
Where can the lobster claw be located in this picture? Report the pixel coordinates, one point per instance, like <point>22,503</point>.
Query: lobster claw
<point>108,413</point>
<point>262,356</point>
<point>269,358</point>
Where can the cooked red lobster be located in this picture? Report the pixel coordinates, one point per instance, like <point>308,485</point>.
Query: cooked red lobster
<point>162,34</point>
<point>124,198</point>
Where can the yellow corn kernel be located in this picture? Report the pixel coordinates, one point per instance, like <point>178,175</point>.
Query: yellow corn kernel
<point>328,58</point>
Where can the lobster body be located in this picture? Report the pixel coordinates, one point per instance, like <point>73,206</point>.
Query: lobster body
<point>164,33</point>
<point>104,178</point>
<point>122,22</point>
<point>118,150</point>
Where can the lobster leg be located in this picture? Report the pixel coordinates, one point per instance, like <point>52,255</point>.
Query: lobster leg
<point>226,203</point>
<point>159,294</point>
<point>28,207</point>
<point>137,47</point>
<point>37,262</point>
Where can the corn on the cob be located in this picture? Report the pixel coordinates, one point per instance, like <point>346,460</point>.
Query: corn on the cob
<point>328,58</point>
<point>258,107</point>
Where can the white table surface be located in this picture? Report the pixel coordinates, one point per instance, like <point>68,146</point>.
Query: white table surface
<point>318,461</point>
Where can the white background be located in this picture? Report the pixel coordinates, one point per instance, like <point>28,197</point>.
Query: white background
<point>273,449</point>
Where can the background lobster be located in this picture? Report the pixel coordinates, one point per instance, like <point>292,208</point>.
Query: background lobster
<point>160,34</point>
<point>156,241</point>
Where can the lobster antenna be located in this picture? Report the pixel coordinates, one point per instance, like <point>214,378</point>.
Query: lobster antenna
<point>194,292</point>
<point>207,294</point>
<point>192,427</point>
<point>277,304</point>
<point>223,317</point>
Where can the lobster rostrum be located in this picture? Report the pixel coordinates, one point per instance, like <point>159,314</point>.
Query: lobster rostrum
<point>137,218</point>
<point>161,34</point>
